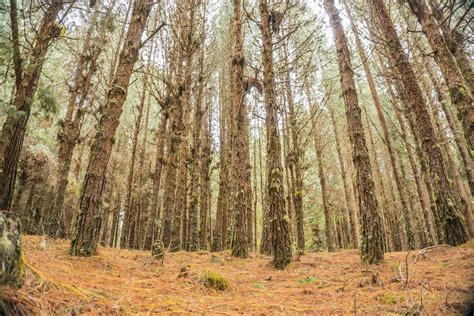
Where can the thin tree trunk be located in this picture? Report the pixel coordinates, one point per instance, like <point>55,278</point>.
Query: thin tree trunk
<point>348,191</point>
<point>152,224</point>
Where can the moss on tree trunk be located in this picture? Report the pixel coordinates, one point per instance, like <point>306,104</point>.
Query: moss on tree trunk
<point>12,267</point>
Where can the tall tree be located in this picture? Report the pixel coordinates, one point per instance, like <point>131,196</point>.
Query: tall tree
<point>240,142</point>
<point>453,228</point>
<point>372,245</point>
<point>88,219</point>
<point>70,130</point>
<point>401,187</point>
<point>27,76</point>
<point>279,223</point>
<point>459,91</point>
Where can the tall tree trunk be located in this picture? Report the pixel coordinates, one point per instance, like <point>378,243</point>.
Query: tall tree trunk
<point>279,223</point>
<point>423,184</point>
<point>129,211</point>
<point>205,185</point>
<point>402,193</point>
<point>220,230</point>
<point>88,219</point>
<point>328,211</point>
<point>193,238</point>
<point>14,128</point>
<point>296,154</point>
<point>373,240</point>
<point>348,191</point>
<point>444,142</point>
<point>69,133</point>
<point>458,89</point>
<point>153,219</point>
<point>240,140</point>
<point>458,137</point>
<point>453,230</point>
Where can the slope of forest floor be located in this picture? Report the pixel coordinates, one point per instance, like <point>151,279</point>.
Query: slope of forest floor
<point>439,280</point>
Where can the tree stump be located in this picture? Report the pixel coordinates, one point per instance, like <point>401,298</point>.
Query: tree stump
<point>12,267</point>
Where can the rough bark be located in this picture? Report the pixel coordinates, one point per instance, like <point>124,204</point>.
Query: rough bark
<point>328,211</point>
<point>88,219</point>
<point>296,155</point>
<point>126,238</point>
<point>239,116</point>
<point>12,264</point>
<point>205,186</point>
<point>69,132</point>
<point>453,228</point>
<point>402,192</point>
<point>14,128</point>
<point>154,216</point>
<point>373,240</point>
<point>279,221</point>
<point>458,136</point>
<point>458,89</point>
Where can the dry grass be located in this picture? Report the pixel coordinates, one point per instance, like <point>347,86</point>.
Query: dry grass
<point>129,282</point>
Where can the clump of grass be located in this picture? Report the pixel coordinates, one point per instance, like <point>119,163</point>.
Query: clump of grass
<point>306,282</point>
<point>215,280</point>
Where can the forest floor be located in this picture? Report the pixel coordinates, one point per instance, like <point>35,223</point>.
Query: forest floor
<point>439,281</point>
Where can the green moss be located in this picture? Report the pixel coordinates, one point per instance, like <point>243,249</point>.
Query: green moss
<point>215,280</point>
<point>389,298</point>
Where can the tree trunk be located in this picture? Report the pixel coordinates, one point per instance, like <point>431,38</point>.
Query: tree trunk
<point>453,230</point>
<point>296,154</point>
<point>14,128</point>
<point>153,220</point>
<point>205,186</point>
<point>88,219</point>
<point>240,169</point>
<point>402,193</point>
<point>279,222</point>
<point>458,89</point>
<point>328,211</point>
<point>458,137</point>
<point>68,135</point>
<point>11,256</point>
<point>373,240</point>
<point>348,191</point>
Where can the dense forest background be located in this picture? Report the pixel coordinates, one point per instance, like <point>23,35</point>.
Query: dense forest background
<point>271,126</point>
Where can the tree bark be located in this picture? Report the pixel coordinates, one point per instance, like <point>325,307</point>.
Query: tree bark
<point>279,221</point>
<point>88,219</point>
<point>373,240</point>
<point>14,128</point>
<point>240,168</point>
<point>453,230</point>
<point>458,89</point>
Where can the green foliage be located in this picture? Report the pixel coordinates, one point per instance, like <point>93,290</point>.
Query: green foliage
<point>45,102</point>
<point>260,285</point>
<point>8,109</point>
